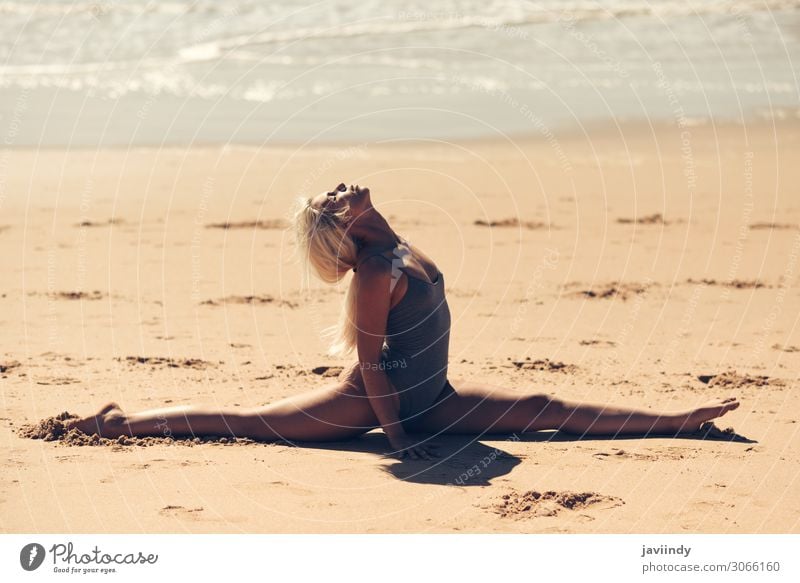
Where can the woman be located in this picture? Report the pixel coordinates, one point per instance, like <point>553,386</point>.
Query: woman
<point>397,320</point>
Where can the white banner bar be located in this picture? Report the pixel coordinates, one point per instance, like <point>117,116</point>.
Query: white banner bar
<point>399,558</point>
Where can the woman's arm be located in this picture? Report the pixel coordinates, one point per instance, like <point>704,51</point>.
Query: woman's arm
<point>372,313</point>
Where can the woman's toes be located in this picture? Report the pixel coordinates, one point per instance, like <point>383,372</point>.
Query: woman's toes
<point>730,404</point>
<point>103,423</point>
<point>724,406</point>
<point>108,407</point>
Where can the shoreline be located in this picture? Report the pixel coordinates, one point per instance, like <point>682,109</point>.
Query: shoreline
<point>585,129</point>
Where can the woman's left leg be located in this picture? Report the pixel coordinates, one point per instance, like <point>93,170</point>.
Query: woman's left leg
<point>336,412</point>
<point>477,408</point>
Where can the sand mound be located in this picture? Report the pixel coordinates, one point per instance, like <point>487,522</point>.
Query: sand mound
<point>9,365</point>
<point>732,380</point>
<point>328,371</point>
<point>543,365</point>
<point>49,429</point>
<point>55,429</point>
<point>551,503</point>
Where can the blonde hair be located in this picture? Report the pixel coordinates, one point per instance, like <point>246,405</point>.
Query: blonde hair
<point>323,240</point>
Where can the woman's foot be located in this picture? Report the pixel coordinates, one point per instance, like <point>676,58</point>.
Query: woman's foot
<point>691,421</point>
<point>108,422</point>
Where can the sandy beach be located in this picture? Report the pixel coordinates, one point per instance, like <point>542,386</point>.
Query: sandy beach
<point>644,265</point>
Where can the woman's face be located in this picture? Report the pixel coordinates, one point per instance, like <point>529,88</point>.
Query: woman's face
<point>355,198</point>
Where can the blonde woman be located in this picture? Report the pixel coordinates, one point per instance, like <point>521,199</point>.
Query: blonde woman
<point>397,320</point>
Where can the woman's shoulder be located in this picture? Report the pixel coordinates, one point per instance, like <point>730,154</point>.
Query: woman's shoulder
<point>367,256</point>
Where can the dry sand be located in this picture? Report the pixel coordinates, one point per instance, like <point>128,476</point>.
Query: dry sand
<point>633,265</point>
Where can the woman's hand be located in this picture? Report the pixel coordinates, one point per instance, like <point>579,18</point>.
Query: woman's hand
<point>405,447</point>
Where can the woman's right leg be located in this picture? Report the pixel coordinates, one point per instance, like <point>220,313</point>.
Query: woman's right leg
<point>478,408</point>
<point>337,412</point>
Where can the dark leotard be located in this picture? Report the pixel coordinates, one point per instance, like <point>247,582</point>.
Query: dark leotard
<point>417,339</point>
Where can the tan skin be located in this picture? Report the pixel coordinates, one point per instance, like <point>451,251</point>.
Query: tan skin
<point>364,399</point>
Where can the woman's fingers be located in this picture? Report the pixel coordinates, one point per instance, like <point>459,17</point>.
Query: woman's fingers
<point>417,452</point>
<point>428,447</point>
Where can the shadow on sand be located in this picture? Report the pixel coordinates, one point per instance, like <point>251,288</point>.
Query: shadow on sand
<point>465,461</point>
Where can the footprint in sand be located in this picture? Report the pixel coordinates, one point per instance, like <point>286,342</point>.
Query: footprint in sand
<point>182,512</point>
<point>513,222</point>
<point>622,291</point>
<point>772,226</point>
<point>733,283</point>
<point>543,365</point>
<point>262,300</point>
<point>534,504</point>
<point>667,453</point>
<point>654,219</point>
<point>57,381</point>
<point>106,223</point>
<point>597,343</point>
<point>462,293</point>
<point>261,224</point>
<point>76,295</point>
<point>158,361</point>
<point>785,348</point>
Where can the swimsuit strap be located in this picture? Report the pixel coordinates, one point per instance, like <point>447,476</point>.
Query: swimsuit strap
<point>376,254</point>
<point>380,254</point>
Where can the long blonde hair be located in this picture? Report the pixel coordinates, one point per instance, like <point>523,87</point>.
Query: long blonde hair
<point>325,245</point>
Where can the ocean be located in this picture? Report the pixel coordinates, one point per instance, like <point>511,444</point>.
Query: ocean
<point>135,73</point>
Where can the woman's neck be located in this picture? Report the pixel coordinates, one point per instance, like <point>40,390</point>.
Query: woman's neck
<point>377,236</point>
